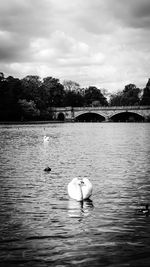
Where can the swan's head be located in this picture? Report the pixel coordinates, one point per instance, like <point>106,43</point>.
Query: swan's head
<point>78,181</point>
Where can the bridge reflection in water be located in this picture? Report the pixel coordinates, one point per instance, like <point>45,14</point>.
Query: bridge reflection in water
<point>101,114</point>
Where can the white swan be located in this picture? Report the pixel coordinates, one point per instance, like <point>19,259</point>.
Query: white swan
<point>80,189</point>
<point>46,138</point>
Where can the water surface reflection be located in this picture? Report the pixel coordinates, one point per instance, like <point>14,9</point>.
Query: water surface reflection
<point>80,209</point>
<point>41,226</point>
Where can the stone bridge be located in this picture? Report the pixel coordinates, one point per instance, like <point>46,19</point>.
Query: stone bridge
<point>115,113</point>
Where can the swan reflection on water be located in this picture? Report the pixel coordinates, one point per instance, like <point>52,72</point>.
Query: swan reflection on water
<point>79,209</point>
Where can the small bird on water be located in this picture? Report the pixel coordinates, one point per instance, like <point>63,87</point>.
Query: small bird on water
<point>144,211</point>
<point>47,169</point>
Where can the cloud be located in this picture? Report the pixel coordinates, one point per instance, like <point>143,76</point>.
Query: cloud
<point>133,13</point>
<point>103,43</point>
<point>25,17</point>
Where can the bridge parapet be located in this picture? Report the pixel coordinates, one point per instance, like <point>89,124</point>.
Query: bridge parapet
<point>112,108</point>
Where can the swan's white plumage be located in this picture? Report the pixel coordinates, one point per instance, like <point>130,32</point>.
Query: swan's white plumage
<point>80,189</point>
<point>74,190</point>
<point>86,188</point>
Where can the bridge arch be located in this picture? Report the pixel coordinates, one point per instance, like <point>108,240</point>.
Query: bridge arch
<point>89,117</point>
<point>127,116</point>
<point>61,116</point>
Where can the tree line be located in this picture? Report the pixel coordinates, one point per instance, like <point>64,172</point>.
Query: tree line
<point>33,98</point>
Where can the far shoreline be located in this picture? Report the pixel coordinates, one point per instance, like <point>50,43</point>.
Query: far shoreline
<point>28,122</point>
<point>9,123</point>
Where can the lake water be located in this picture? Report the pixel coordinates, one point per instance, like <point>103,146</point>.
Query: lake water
<point>39,224</point>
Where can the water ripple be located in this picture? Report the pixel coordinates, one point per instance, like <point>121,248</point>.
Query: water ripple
<point>41,226</point>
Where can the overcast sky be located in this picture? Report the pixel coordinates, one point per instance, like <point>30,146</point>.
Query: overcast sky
<point>105,43</point>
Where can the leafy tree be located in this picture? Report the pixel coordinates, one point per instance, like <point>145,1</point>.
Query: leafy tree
<point>33,90</point>
<point>53,92</point>
<point>130,96</point>
<point>10,88</point>
<point>71,86</point>
<point>73,99</point>
<point>94,94</point>
<point>115,99</point>
<point>28,109</point>
<point>1,76</point>
<point>30,87</point>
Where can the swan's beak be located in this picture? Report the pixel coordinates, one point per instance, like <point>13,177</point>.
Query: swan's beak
<point>80,182</point>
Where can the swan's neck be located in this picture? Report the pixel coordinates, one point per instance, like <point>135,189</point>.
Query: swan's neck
<point>80,186</point>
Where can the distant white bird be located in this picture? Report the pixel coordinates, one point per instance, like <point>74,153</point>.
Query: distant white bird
<point>80,189</point>
<point>46,138</point>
